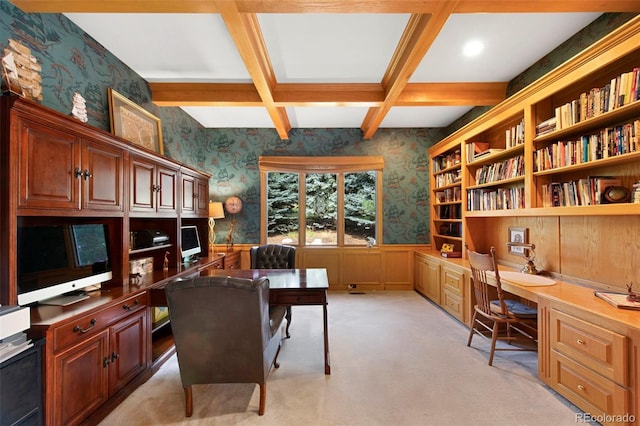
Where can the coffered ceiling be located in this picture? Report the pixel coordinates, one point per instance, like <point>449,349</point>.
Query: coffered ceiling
<point>328,64</point>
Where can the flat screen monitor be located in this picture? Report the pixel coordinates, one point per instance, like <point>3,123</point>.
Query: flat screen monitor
<point>190,242</point>
<point>56,260</point>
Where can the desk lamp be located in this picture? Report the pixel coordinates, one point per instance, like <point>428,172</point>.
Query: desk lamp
<point>215,212</point>
<point>529,254</point>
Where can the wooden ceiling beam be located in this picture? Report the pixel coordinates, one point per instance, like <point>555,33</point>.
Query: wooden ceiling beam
<point>452,94</point>
<point>325,6</point>
<point>329,94</point>
<point>419,34</point>
<point>205,94</point>
<point>247,36</point>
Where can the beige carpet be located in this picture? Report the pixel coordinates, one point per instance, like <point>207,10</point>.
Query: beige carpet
<point>396,359</point>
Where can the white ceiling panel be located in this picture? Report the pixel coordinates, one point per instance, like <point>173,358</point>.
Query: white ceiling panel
<point>168,47</point>
<point>221,117</point>
<point>422,116</point>
<point>326,117</point>
<point>513,42</point>
<point>331,48</point>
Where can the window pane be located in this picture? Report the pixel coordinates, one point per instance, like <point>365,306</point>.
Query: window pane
<point>321,209</point>
<point>282,208</point>
<point>360,208</point>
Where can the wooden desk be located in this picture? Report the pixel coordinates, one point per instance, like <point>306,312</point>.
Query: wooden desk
<point>290,287</point>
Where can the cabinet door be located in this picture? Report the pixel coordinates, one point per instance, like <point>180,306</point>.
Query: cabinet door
<point>80,382</point>
<point>102,174</point>
<point>143,187</point>
<point>128,348</point>
<point>432,283</point>
<point>202,198</point>
<point>49,160</point>
<point>188,194</point>
<point>166,190</point>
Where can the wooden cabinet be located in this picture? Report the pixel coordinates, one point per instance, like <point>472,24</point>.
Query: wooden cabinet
<point>427,276</point>
<point>453,290</point>
<point>589,364</point>
<point>153,187</point>
<point>91,357</point>
<point>195,195</point>
<point>61,170</point>
<point>232,260</point>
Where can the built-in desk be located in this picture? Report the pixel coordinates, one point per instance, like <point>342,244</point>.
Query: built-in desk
<point>588,350</point>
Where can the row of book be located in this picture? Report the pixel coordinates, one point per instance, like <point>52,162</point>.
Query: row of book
<point>451,211</point>
<point>509,168</point>
<point>448,178</point>
<point>449,195</point>
<point>582,192</point>
<point>495,199</point>
<point>621,90</point>
<point>450,229</point>
<point>443,162</point>
<point>514,135</point>
<point>608,142</point>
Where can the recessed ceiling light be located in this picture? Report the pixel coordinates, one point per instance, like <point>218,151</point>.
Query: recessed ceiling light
<point>473,48</point>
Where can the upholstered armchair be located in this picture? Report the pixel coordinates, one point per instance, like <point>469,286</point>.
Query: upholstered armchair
<point>224,332</point>
<point>274,256</point>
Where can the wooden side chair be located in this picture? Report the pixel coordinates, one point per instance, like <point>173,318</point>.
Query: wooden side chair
<point>500,317</point>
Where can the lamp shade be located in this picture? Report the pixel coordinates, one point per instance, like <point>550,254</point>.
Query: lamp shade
<point>216,211</point>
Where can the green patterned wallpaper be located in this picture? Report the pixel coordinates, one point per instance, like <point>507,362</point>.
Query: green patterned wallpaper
<point>72,61</point>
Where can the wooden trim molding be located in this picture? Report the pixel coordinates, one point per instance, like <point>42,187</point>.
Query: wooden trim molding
<point>320,164</point>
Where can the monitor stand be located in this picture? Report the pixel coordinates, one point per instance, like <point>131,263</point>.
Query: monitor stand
<point>65,299</point>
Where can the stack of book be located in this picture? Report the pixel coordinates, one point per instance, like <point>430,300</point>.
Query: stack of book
<point>547,126</point>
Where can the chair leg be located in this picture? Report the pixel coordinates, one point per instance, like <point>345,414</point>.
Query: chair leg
<point>276,364</point>
<point>494,339</point>
<point>472,331</point>
<point>263,398</point>
<point>188,401</point>
<point>287,315</point>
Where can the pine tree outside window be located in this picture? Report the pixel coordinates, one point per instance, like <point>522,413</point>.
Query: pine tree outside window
<point>321,201</point>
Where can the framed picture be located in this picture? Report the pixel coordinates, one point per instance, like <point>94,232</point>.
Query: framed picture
<point>134,123</point>
<point>518,235</point>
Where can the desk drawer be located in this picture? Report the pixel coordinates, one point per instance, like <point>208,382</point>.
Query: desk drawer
<point>453,280</point>
<point>88,325</point>
<point>452,303</point>
<point>297,297</point>
<point>599,349</point>
<point>589,391</point>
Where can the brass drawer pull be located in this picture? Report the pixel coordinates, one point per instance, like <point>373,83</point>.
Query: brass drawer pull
<point>581,387</point>
<point>77,328</point>
<point>580,342</point>
<point>126,307</point>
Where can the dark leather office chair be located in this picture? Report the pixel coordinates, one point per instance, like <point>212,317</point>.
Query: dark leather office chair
<point>516,316</point>
<point>224,332</point>
<point>274,256</point>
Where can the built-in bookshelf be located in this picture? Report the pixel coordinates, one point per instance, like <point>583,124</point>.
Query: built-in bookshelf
<point>551,149</point>
<point>446,184</point>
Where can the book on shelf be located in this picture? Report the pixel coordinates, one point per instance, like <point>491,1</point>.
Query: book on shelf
<point>451,254</point>
<point>488,152</point>
<point>619,300</point>
<point>475,148</point>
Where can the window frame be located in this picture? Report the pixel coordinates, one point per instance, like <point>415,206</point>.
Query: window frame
<point>306,165</point>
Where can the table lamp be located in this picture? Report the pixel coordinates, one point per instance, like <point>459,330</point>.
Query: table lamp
<point>216,211</point>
